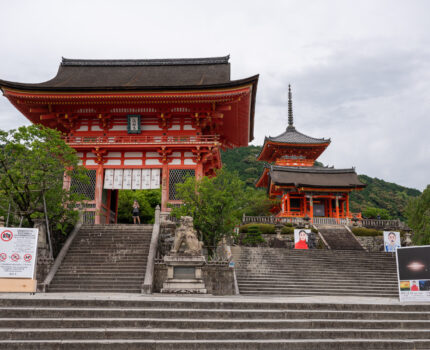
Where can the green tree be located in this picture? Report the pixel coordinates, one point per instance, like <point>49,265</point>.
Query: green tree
<point>216,204</point>
<point>33,161</point>
<point>418,213</point>
<point>374,213</point>
<point>147,199</point>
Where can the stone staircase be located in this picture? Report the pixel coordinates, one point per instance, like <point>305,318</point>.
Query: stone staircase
<point>339,238</point>
<point>138,322</point>
<point>105,258</point>
<point>280,271</point>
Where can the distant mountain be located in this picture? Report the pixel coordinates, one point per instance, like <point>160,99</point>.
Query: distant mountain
<point>378,193</point>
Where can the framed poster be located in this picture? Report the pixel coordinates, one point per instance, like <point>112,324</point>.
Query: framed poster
<point>136,181</point>
<point>108,185</point>
<point>155,179</point>
<point>126,183</point>
<point>117,179</point>
<point>18,248</point>
<point>413,273</point>
<point>301,238</point>
<point>391,241</point>
<point>133,124</point>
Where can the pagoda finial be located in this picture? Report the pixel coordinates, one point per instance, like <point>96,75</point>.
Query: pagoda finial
<point>290,109</point>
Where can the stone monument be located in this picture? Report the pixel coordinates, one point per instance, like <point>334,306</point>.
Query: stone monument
<point>184,262</point>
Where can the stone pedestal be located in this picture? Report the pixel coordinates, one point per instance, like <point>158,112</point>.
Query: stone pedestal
<point>184,274</point>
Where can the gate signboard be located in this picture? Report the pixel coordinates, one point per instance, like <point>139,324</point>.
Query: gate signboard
<point>413,270</point>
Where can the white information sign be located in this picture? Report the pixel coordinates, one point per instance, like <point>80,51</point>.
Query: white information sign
<point>126,185</point>
<point>109,178</point>
<point>146,179</point>
<point>136,179</point>
<point>155,179</point>
<point>18,247</point>
<point>117,179</point>
<point>136,182</point>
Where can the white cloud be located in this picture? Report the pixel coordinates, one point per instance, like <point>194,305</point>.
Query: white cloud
<point>359,70</point>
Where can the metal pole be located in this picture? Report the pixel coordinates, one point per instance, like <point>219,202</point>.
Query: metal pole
<point>20,221</point>
<point>8,213</point>
<point>47,226</point>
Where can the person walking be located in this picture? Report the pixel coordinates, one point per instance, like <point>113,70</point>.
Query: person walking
<point>136,216</point>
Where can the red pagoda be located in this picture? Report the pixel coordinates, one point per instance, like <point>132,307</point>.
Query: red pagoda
<point>304,188</point>
<point>141,124</point>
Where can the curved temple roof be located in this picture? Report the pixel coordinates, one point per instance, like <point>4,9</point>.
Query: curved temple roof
<point>152,74</point>
<point>315,177</point>
<point>292,136</point>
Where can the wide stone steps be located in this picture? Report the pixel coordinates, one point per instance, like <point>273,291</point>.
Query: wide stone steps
<point>105,258</point>
<point>276,271</point>
<point>338,237</point>
<point>114,322</point>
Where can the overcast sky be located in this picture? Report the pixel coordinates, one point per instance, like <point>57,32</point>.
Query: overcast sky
<point>360,70</point>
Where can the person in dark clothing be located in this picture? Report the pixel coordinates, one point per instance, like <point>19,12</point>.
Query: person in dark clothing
<point>136,216</point>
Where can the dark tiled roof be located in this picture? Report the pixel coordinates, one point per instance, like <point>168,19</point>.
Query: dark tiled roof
<point>149,62</point>
<point>74,74</point>
<point>292,136</point>
<point>315,177</point>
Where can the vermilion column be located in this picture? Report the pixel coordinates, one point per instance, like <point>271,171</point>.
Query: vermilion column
<point>98,193</point>
<point>164,187</point>
<point>347,205</point>
<point>288,203</point>
<point>337,208</point>
<point>311,208</point>
<point>199,171</point>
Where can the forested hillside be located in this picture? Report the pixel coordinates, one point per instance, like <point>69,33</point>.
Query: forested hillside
<point>378,193</point>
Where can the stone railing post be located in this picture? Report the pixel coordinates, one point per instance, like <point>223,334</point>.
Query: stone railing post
<point>149,274</point>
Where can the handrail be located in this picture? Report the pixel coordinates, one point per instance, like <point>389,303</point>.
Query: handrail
<point>165,139</point>
<point>60,257</point>
<point>148,282</point>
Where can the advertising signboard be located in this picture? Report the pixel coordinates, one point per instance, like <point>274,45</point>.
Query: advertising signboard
<point>18,247</point>
<point>391,241</point>
<point>301,238</point>
<point>413,271</point>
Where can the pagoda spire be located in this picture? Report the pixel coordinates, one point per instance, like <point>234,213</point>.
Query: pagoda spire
<point>290,110</point>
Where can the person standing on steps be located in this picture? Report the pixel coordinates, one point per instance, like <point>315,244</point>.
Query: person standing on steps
<point>136,216</point>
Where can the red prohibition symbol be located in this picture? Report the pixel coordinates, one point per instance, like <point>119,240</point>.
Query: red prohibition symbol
<point>27,257</point>
<point>6,236</point>
<point>15,256</point>
<point>3,256</point>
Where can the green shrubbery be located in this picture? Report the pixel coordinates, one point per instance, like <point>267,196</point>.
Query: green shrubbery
<point>253,236</point>
<point>362,231</point>
<point>267,228</point>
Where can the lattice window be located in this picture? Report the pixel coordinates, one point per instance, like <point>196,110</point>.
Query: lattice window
<point>87,189</point>
<point>178,176</point>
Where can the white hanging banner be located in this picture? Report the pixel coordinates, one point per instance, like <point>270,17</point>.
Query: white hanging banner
<point>136,181</point>
<point>18,248</point>
<point>117,179</point>
<point>108,179</point>
<point>155,179</point>
<point>146,179</point>
<point>126,184</point>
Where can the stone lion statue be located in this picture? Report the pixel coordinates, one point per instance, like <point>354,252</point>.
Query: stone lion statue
<point>186,234</point>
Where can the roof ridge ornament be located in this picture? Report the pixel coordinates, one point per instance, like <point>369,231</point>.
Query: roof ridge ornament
<point>290,110</point>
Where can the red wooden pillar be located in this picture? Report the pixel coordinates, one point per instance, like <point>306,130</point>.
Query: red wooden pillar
<point>347,205</point>
<point>98,193</point>
<point>164,187</point>
<point>199,171</point>
<point>330,207</point>
<point>305,205</point>
<point>337,209</point>
<point>311,208</point>
<point>288,202</point>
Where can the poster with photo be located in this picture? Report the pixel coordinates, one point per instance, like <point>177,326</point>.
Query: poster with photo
<point>413,271</point>
<point>391,241</point>
<point>301,238</point>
